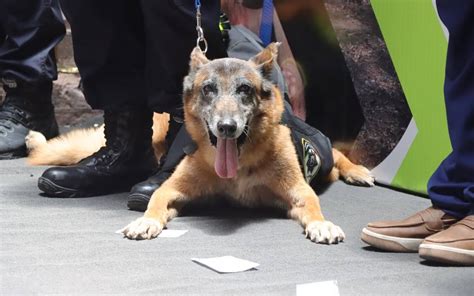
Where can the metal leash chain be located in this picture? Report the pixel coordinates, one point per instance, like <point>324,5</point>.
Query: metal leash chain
<point>200,33</point>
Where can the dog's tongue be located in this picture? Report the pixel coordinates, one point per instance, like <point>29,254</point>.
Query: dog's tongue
<point>226,158</point>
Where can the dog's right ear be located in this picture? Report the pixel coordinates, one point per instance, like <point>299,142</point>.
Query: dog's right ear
<point>197,59</point>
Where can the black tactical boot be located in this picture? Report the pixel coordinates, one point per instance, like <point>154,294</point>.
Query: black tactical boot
<point>26,107</point>
<point>126,159</point>
<point>182,144</point>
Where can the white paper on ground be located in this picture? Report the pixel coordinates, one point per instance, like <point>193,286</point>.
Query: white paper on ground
<point>172,233</point>
<point>328,288</point>
<point>226,264</point>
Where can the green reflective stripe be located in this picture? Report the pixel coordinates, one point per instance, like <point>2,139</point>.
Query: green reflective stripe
<point>417,46</point>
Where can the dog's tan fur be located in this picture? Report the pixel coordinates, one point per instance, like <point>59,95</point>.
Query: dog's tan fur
<point>268,169</point>
<point>70,148</point>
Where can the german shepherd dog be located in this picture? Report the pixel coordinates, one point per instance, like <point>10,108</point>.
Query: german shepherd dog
<point>233,112</point>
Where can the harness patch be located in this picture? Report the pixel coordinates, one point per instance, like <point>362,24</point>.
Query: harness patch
<point>311,160</point>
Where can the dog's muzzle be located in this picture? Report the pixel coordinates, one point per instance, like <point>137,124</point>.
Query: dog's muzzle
<point>240,140</point>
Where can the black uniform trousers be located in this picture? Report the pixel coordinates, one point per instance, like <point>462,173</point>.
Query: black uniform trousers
<point>134,54</point>
<point>29,31</point>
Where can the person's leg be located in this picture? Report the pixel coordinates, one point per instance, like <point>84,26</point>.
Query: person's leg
<point>33,29</point>
<point>109,49</point>
<point>29,31</point>
<point>170,37</point>
<point>451,188</point>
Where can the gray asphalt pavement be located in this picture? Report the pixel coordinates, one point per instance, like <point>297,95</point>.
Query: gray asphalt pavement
<point>68,246</point>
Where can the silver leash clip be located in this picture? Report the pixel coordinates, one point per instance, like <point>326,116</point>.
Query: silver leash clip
<point>200,32</point>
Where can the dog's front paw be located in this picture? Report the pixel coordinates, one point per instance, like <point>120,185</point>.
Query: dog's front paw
<point>34,139</point>
<point>142,228</point>
<point>324,232</point>
<point>359,175</point>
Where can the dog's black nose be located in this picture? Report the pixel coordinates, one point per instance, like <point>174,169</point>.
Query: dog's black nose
<point>227,128</point>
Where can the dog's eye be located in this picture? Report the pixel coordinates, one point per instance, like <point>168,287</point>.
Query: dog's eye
<point>244,88</point>
<point>208,89</point>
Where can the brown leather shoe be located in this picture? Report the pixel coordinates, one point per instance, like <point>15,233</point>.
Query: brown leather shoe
<point>453,246</point>
<point>406,235</point>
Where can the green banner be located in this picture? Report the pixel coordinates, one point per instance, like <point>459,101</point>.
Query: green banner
<point>417,46</point>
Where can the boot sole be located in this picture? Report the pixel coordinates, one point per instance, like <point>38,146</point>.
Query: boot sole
<point>138,202</point>
<point>20,153</point>
<point>390,243</point>
<point>447,255</point>
<point>54,190</point>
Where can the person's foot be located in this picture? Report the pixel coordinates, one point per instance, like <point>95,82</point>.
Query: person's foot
<point>126,159</point>
<point>452,246</point>
<point>26,107</point>
<point>182,144</point>
<point>406,235</point>
<point>141,193</point>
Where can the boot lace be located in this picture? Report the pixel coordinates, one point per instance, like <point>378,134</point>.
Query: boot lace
<point>106,155</point>
<point>9,114</point>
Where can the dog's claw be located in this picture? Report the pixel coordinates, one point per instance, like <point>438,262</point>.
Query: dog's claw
<point>324,232</point>
<point>359,175</point>
<point>142,228</point>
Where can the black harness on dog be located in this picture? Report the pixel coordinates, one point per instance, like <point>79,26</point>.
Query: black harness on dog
<point>313,148</point>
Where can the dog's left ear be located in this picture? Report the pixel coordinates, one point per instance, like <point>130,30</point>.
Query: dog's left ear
<point>265,59</point>
<point>197,59</point>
